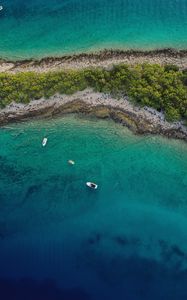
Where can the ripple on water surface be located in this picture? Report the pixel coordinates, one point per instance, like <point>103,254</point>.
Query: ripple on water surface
<point>40,28</point>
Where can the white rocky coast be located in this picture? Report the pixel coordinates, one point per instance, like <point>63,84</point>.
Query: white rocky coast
<point>140,120</point>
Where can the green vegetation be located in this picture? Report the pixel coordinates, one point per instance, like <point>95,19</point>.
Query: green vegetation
<point>161,87</point>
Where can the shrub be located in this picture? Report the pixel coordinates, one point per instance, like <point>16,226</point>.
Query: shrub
<point>161,87</point>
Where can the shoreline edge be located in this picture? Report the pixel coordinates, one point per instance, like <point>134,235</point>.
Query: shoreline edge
<point>90,103</point>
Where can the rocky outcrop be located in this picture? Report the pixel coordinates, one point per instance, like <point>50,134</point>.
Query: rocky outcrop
<point>139,120</point>
<point>105,58</point>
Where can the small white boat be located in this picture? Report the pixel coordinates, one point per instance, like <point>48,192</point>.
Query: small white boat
<point>44,142</point>
<point>71,162</point>
<point>92,185</point>
<point>1,7</point>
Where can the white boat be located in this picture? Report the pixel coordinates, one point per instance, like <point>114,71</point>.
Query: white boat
<point>71,162</point>
<point>44,142</point>
<point>92,185</point>
<point>1,7</point>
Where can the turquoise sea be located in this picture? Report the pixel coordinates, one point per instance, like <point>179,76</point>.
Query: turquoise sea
<point>40,28</point>
<point>59,240</point>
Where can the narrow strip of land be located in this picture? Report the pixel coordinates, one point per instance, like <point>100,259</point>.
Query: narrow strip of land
<point>105,59</point>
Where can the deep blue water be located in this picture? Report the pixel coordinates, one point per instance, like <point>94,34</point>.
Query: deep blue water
<point>40,28</point>
<point>60,240</point>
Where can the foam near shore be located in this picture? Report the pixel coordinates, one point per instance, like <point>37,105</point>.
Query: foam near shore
<point>139,120</point>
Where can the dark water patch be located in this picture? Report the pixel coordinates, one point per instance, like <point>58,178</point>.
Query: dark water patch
<point>120,240</point>
<point>173,255</point>
<point>31,289</point>
<point>11,172</point>
<point>95,238</point>
<point>178,251</point>
<point>139,278</point>
<point>8,170</point>
<point>32,190</point>
<point>52,186</point>
<point>123,240</point>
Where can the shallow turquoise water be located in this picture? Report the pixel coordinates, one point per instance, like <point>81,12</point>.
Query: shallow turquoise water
<point>60,240</point>
<point>40,28</point>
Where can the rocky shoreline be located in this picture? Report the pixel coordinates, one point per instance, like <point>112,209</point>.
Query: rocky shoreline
<point>87,102</point>
<point>105,58</point>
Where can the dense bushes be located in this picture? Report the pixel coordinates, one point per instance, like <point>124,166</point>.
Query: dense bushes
<point>164,88</point>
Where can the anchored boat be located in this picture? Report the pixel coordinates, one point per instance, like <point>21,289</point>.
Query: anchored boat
<point>44,142</point>
<point>92,185</point>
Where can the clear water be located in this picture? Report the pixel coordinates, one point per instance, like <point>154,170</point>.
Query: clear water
<point>41,27</point>
<point>61,240</point>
